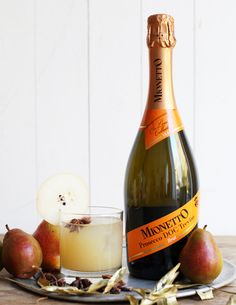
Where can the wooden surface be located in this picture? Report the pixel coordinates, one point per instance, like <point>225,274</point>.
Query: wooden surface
<point>11,294</point>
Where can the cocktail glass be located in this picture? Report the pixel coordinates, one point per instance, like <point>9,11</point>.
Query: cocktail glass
<point>91,242</point>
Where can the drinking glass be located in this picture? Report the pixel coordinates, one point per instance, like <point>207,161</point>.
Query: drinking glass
<point>91,242</point>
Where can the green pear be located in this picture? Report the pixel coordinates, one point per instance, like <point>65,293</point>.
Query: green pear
<point>201,259</point>
<point>21,253</point>
<point>48,236</point>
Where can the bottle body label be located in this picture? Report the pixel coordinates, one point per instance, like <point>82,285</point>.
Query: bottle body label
<point>163,232</point>
<point>159,124</point>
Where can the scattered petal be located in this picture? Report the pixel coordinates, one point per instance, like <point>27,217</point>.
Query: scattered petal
<point>168,279</point>
<point>132,300</point>
<point>117,276</point>
<point>141,291</point>
<point>66,290</point>
<point>172,301</point>
<point>231,301</point>
<point>206,295</point>
<point>97,285</point>
<point>164,292</point>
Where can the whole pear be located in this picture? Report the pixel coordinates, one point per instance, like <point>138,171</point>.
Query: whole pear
<point>1,264</point>
<point>21,253</point>
<point>201,259</point>
<point>48,236</point>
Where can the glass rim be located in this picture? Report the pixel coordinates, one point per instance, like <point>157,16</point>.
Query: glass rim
<point>108,211</point>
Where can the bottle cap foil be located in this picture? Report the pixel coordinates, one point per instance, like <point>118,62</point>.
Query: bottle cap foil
<point>161,31</point>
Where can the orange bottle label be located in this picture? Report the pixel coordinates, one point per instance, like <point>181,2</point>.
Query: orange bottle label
<point>163,232</point>
<point>159,124</point>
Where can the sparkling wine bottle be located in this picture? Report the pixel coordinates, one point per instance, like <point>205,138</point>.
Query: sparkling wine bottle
<point>161,183</point>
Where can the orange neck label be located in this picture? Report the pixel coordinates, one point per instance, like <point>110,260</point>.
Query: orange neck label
<point>163,232</point>
<point>159,124</point>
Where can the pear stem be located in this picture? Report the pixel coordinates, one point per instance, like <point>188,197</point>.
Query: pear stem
<point>204,228</point>
<point>7,228</point>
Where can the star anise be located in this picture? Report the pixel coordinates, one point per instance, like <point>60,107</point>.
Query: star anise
<point>81,283</point>
<point>76,224</point>
<point>50,279</point>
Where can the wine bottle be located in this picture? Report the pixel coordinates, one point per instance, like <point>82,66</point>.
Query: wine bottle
<point>161,183</point>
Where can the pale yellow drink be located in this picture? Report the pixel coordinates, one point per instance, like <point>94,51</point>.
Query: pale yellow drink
<point>93,247</point>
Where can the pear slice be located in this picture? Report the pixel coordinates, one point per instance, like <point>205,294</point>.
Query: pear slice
<point>66,192</point>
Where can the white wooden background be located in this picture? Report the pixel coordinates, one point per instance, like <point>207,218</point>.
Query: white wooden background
<point>73,84</point>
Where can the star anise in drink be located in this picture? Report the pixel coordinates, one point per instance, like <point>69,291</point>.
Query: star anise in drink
<point>77,223</point>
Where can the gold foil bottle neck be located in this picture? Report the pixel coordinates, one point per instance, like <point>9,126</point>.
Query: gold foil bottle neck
<point>161,31</point>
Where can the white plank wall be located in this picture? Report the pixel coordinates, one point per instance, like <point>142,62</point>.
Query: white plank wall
<point>17,114</point>
<point>215,112</point>
<point>114,94</point>
<point>74,77</point>
<point>61,59</point>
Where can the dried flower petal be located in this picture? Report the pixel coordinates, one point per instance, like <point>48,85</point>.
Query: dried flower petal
<point>206,295</point>
<point>164,292</point>
<point>132,300</point>
<point>172,301</point>
<point>66,290</point>
<point>167,296</point>
<point>117,276</point>
<point>231,301</point>
<point>168,279</point>
<point>141,291</point>
<point>97,285</point>
<point>162,301</point>
<point>167,291</point>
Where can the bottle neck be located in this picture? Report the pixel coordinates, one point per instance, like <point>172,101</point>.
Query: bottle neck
<point>161,94</point>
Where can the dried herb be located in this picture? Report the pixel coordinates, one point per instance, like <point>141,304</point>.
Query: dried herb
<point>76,224</point>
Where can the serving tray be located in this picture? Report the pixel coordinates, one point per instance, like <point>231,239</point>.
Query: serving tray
<point>227,275</point>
